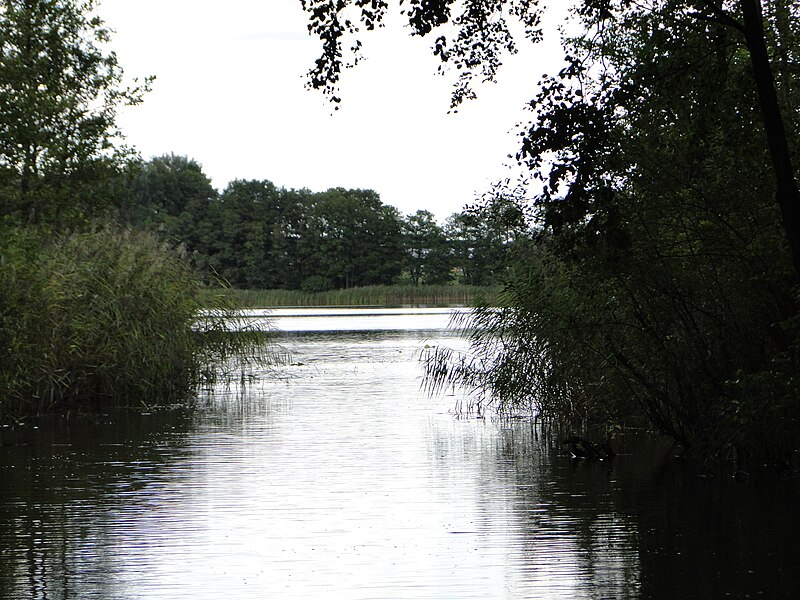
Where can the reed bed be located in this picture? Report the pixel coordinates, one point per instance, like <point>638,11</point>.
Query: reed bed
<point>104,318</point>
<point>393,295</point>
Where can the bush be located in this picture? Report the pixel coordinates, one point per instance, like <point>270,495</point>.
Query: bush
<point>105,317</point>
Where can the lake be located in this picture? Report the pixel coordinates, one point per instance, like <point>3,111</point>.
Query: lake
<point>335,476</point>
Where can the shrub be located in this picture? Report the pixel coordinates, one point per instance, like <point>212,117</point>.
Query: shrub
<point>104,317</point>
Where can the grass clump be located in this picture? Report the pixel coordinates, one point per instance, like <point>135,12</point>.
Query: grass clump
<point>107,317</point>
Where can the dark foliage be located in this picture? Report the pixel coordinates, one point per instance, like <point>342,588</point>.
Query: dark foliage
<point>255,235</point>
<point>659,287</point>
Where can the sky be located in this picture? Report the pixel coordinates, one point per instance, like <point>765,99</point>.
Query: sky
<point>230,93</point>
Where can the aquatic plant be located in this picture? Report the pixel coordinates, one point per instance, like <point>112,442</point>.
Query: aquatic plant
<point>375,295</point>
<point>107,317</point>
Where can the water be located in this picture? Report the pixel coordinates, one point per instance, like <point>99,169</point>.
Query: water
<point>336,477</point>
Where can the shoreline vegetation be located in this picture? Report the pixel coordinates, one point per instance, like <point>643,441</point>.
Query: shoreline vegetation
<point>107,319</point>
<point>374,295</point>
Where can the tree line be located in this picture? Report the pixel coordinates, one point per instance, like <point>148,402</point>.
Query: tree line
<point>256,235</point>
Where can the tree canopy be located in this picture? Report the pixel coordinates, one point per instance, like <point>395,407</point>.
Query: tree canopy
<point>257,235</point>
<point>59,93</point>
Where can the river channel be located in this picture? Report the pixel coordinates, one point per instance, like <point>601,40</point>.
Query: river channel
<point>335,476</point>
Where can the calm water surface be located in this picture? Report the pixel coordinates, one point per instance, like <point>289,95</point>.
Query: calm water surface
<point>336,477</point>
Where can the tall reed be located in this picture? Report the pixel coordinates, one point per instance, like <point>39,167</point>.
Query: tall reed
<point>99,318</point>
<point>378,295</point>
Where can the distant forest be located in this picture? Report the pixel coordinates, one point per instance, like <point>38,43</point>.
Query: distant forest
<point>256,235</point>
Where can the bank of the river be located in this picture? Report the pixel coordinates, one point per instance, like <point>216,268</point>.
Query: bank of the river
<point>104,317</point>
<point>379,295</point>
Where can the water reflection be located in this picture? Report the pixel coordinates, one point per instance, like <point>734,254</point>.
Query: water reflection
<point>336,478</point>
<point>350,319</point>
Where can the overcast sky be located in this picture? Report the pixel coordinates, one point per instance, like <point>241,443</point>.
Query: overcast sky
<point>230,94</point>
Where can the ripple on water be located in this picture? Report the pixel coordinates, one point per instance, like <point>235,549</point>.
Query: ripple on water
<point>337,478</point>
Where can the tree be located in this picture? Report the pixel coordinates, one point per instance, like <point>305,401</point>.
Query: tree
<point>59,93</point>
<point>658,285</point>
<point>482,238</point>
<point>427,253</point>
<point>239,253</point>
<point>474,46</point>
<point>263,227</point>
<point>161,190</point>
<point>354,239</point>
<point>787,195</point>
<point>480,35</point>
<point>668,278</point>
<point>256,235</point>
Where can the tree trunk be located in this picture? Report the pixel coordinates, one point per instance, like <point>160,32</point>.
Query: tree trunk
<point>782,68</point>
<point>788,196</point>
